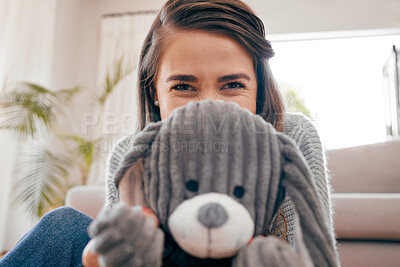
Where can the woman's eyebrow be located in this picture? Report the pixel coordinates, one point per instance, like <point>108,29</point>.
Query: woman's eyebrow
<point>184,78</point>
<point>231,77</point>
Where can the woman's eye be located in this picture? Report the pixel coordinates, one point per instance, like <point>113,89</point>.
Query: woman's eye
<point>233,85</point>
<point>183,87</point>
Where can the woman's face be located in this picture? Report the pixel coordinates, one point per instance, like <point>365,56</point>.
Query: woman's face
<point>198,65</point>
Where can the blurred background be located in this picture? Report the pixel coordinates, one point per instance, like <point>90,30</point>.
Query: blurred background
<point>67,80</point>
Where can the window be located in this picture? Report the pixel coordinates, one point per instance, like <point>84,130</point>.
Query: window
<point>341,83</point>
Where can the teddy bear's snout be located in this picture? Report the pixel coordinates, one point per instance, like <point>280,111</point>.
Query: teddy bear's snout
<point>211,225</point>
<point>212,215</point>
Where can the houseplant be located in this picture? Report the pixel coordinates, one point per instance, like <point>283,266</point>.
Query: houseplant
<point>34,115</point>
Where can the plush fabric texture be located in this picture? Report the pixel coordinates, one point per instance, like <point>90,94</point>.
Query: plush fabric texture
<point>126,237</point>
<point>297,127</point>
<point>246,162</point>
<point>218,145</point>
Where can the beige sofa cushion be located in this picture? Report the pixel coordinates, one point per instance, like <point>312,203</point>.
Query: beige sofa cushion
<point>366,169</point>
<point>87,199</point>
<point>367,216</point>
<point>369,254</point>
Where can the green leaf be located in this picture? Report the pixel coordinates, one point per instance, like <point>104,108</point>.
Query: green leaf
<point>86,152</point>
<point>30,107</point>
<point>294,102</point>
<point>119,72</point>
<point>41,180</point>
<point>65,95</point>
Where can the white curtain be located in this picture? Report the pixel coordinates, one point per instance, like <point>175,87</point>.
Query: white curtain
<point>26,53</point>
<point>121,37</point>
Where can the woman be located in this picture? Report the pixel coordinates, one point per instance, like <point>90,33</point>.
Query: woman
<point>195,50</point>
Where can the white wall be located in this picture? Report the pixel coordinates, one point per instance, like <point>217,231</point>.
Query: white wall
<point>288,16</point>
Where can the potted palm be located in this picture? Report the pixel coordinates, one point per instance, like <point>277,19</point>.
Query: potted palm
<point>33,113</point>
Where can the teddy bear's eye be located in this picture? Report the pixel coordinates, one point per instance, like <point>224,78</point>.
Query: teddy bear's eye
<point>238,192</point>
<point>192,185</point>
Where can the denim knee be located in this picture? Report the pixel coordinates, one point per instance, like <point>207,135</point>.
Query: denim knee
<point>57,240</point>
<point>63,214</point>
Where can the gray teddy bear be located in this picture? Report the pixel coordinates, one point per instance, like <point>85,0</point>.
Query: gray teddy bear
<point>214,175</point>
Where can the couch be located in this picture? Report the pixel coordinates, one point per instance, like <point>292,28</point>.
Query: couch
<point>366,199</point>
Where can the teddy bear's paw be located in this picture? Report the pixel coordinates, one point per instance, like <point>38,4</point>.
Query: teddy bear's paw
<point>125,236</point>
<point>267,251</point>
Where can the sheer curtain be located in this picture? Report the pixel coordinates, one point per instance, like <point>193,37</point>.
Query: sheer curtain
<point>26,53</point>
<point>122,36</point>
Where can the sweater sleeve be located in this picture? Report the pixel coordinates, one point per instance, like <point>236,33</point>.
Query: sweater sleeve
<point>114,160</point>
<point>303,132</point>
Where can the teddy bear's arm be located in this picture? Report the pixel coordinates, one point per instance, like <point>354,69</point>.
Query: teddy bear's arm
<point>125,236</point>
<point>268,251</point>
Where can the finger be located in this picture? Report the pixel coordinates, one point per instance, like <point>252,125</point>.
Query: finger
<point>89,257</point>
<point>149,213</point>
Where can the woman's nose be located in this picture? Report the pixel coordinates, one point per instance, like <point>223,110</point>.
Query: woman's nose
<point>208,94</point>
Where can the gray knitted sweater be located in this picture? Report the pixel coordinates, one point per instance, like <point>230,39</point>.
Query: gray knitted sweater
<point>302,131</point>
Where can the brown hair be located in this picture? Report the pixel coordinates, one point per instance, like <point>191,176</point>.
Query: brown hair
<point>231,18</point>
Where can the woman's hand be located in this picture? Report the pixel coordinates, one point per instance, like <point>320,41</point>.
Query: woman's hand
<point>130,187</point>
<point>89,257</point>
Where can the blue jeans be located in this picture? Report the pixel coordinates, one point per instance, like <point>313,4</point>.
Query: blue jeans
<point>57,240</point>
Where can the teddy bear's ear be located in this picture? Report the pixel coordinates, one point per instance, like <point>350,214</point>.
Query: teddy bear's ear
<point>300,187</point>
<point>292,154</point>
<point>296,178</point>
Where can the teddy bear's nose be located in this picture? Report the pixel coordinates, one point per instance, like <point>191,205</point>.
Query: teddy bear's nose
<point>212,215</point>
